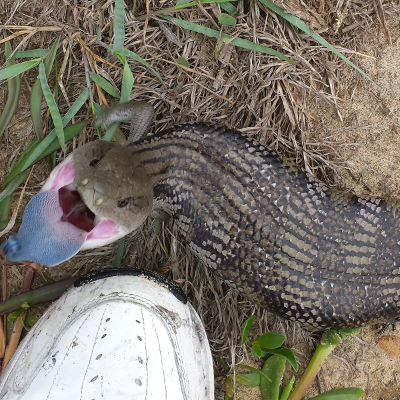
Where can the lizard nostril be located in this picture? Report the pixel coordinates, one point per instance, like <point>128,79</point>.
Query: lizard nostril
<point>94,162</point>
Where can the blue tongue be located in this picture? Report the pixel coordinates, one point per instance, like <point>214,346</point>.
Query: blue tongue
<point>43,237</point>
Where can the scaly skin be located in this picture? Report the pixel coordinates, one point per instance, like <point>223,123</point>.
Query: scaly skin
<point>325,259</point>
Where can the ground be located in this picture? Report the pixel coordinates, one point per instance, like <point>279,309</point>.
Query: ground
<point>319,112</point>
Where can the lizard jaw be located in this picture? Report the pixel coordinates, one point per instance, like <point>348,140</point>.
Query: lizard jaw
<point>57,224</point>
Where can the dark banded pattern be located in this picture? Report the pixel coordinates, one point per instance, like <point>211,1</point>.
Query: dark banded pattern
<point>322,258</point>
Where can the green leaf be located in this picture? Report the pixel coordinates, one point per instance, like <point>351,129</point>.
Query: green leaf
<point>304,27</point>
<point>4,211</point>
<point>36,111</point>
<point>32,53</point>
<point>228,7</point>
<point>270,340</point>
<point>15,170</point>
<point>97,109</point>
<point>287,353</point>
<point>225,19</point>
<point>246,328</point>
<point>104,84</point>
<point>76,106</point>
<point>14,89</point>
<point>287,389</point>
<point>183,61</point>
<point>51,56</point>
<point>248,380</point>
<point>14,315</point>
<point>134,56</point>
<point>184,4</point>
<point>51,103</point>
<point>350,393</point>
<point>229,386</point>
<point>48,142</point>
<point>46,293</point>
<point>119,25</point>
<point>120,252</point>
<point>44,148</point>
<point>111,131</point>
<point>39,150</point>
<point>246,44</point>
<point>37,93</point>
<point>273,369</point>
<point>127,79</point>
<point>13,185</point>
<point>17,69</point>
<point>257,349</point>
<point>25,305</point>
<point>29,319</point>
<point>255,370</point>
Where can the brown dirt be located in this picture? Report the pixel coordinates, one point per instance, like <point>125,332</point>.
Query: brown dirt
<point>319,112</point>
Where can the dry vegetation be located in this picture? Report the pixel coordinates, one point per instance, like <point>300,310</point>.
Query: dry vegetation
<point>277,102</point>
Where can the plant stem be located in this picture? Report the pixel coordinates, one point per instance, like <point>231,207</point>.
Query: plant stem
<point>311,372</point>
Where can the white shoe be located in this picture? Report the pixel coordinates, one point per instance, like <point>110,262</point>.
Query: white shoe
<point>118,335</point>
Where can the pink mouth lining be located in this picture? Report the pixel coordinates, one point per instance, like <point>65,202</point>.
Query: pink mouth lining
<point>100,230</point>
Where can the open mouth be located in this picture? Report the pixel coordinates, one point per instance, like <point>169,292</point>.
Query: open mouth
<point>100,230</point>
<point>75,210</point>
<point>57,223</point>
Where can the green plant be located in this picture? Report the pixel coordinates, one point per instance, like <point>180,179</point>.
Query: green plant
<point>269,377</point>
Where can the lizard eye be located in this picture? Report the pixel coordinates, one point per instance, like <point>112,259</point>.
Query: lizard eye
<point>123,202</point>
<point>94,162</point>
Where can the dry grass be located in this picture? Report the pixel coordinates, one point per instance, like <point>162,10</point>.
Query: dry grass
<point>253,92</point>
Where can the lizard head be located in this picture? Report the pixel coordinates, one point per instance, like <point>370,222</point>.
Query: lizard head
<point>94,197</point>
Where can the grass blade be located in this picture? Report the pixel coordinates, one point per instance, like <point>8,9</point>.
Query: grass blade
<point>119,27</point>
<point>304,27</point>
<point>104,84</point>
<point>41,149</point>
<point>76,106</point>
<point>36,112</point>
<point>45,147</point>
<point>350,393</point>
<point>32,53</point>
<point>228,7</point>
<point>127,79</point>
<point>49,61</point>
<point>55,114</point>
<point>120,252</point>
<point>14,184</point>
<point>245,44</point>
<point>46,293</point>
<point>184,4</point>
<point>111,131</point>
<point>15,170</point>
<point>134,56</point>
<point>37,93</point>
<point>246,328</point>
<point>4,212</point>
<point>14,89</point>
<point>18,69</point>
